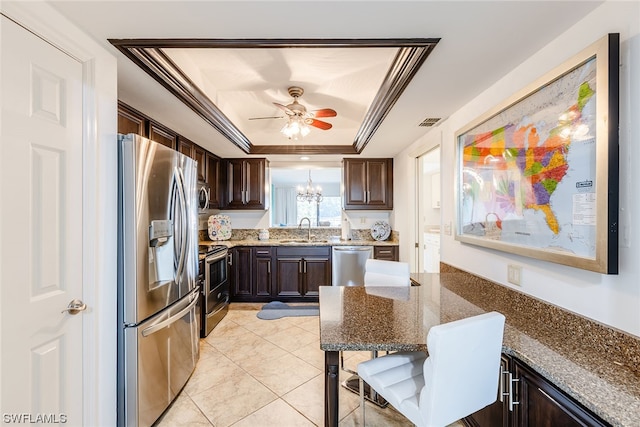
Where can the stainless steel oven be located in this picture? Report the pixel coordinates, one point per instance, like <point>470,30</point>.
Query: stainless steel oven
<point>215,292</point>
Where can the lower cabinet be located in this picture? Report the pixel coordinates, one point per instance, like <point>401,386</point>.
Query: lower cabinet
<point>292,273</point>
<point>263,258</point>
<point>242,274</point>
<point>529,400</point>
<point>300,271</point>
<point>387,253</point>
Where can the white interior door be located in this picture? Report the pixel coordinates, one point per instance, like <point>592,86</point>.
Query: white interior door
<point>40,229</point>
<point>428,215</point>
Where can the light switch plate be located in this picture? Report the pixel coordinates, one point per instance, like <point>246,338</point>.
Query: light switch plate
<point>514,274</point>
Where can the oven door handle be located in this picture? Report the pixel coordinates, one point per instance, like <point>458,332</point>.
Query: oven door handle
<point>216,257</point>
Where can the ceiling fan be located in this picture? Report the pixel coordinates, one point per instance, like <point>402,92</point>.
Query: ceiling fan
<point>295,110</point>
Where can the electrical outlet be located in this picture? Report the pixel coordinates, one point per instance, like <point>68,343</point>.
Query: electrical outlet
<point>514,274</point>
<point>363,220</point>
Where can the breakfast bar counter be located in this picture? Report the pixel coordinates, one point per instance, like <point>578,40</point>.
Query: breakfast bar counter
<point>570,352</point>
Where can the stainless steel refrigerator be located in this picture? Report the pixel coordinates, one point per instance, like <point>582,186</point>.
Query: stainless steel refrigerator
<point>157,272</point>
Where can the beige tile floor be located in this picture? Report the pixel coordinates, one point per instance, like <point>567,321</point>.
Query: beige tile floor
<point>255,372</point>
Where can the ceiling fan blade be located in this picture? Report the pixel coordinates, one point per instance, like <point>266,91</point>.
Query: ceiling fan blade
<point>324,112</point>
<point>270,117</point>
<point>319,124</point>
<point>284,108</point>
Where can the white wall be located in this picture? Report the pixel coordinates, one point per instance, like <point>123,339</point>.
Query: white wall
<point>610,299</point>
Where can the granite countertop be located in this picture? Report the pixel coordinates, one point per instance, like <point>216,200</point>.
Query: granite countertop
<point>298,242</point>
<point>295,236</point>
<point>607,385</point>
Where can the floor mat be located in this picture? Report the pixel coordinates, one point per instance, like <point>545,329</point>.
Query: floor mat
<point>278,310</point>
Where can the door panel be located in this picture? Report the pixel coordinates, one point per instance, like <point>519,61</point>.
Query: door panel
<point>41,227</point>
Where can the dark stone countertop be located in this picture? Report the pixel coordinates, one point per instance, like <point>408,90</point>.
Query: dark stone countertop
<point>596,365</point>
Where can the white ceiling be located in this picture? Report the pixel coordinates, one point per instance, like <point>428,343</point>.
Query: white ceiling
<point>480,42</point>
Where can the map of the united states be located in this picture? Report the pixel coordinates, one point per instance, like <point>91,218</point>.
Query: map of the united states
<point>518,151</point>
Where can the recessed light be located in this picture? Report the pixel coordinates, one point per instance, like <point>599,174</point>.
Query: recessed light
<point>305,158</point>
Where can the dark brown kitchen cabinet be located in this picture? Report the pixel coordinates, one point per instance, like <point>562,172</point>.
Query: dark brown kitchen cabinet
<point>245,183</point>
<point>162,135</point>
<point>242,273</point>
<point>301,270</point>
<point>544,405</point>
<point>131,121</point>
<point>529,400</point>
<point>368,184</point>
<point>263,279</point>
<point>386,253</point>
<point>196,152</point>
<point>213,177</point>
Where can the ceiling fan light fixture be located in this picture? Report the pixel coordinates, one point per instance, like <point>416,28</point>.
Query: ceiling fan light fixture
<point>295,128</point>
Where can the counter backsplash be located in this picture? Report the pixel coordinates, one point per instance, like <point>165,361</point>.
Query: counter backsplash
<point>567,333</point>
<point>299,233</point>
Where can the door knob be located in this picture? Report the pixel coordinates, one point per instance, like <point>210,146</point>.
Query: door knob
<point>75,307</point>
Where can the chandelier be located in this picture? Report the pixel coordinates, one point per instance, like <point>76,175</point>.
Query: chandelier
<point>296,128</point>
<point>310,194</point>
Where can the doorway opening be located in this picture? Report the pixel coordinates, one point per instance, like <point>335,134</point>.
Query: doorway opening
<point>428,215</point>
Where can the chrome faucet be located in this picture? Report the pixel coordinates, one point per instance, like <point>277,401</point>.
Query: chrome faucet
<point>309,228</point>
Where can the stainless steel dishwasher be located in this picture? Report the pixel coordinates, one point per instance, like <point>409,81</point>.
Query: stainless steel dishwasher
<point>348,264</point>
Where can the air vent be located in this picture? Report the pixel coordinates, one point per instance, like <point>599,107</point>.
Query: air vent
<point>429,121</point>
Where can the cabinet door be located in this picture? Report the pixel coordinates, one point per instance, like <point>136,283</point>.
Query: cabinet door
<point>242,278</point>
<point>355,187</point>
<point>254,170</point>
<point>162,135</point>
<point>185,147</point>
<point>543,405</point>
<point>235,184</point>
<point>263,277</point>
<point>288,277</point>
<point>496,414</point>
<point>213,178</point>
<point>131,121</point>
<point>199,156</point>
<point>387,253</point>
<point>379,184</point>
<point>317,273</point>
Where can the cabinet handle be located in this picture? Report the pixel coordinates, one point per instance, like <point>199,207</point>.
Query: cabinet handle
<point>512,391</point>
<point>305,266</point>
<point>262,252</point>
<point>384,252</point>
<point>502,394</point>
<point>300,267</point>
<point>366,197</point>
<point>268,267</point>
<point>230,258</point>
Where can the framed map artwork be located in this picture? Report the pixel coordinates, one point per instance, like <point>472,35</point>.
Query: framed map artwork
<point>538,175</point>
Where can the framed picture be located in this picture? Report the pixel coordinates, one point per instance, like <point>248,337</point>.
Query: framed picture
<point>538,175</point>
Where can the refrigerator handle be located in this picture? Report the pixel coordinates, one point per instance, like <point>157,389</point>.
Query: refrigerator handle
<point>166,322</point>
<point>183,221</point>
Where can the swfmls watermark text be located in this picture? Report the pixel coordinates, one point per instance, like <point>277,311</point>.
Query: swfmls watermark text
<point>28,418</point>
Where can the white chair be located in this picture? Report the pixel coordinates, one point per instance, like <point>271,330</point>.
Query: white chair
<point>458,377</point>
<point>378,273</point>
<point>386,273</point>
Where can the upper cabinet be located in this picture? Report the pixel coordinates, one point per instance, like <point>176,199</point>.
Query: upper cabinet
<point>368,184</point>
<point>246,183</point>
<point>131,121</point>
<point>209,165</point>
<point>162,135</point>
<point>196,152</point>
<point>213,177</point>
